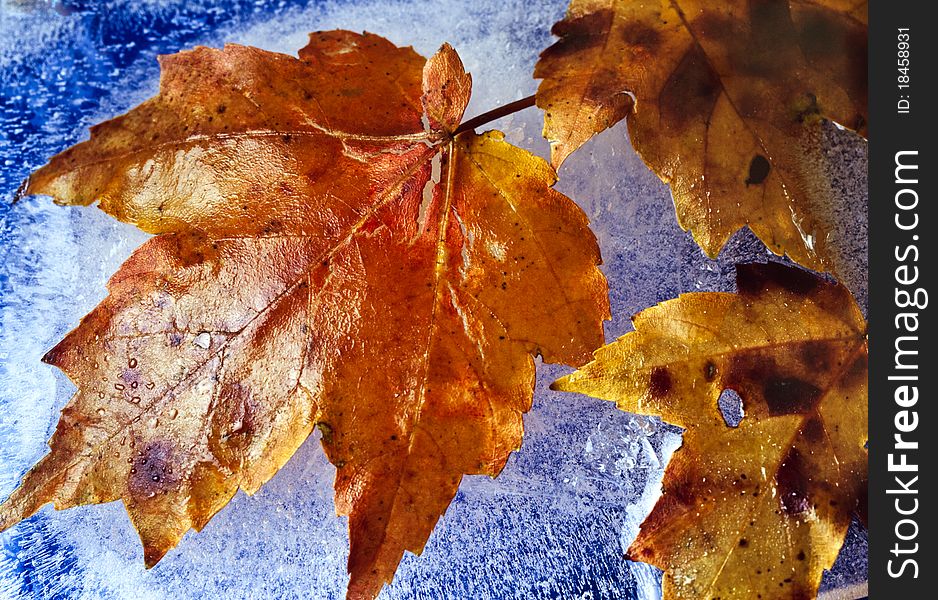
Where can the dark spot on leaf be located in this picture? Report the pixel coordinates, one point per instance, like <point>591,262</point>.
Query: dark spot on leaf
<point>580,33</point>
<point>660,382</point>
<point>759,168</point>
<point>789,395</point>
<point>792,482</point>
<point>691,91</point>
<point>753,279</point>
<point>817,356</point>
<point>683,492</point>
<point>636,33</point>
<point>151,472</point>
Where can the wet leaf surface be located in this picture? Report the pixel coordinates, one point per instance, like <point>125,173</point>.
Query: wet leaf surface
<point>759,509</point>
<point>725,103</point>
<point>326,255</point>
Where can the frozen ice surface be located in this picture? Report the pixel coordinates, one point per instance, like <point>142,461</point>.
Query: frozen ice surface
<point>555,524</point>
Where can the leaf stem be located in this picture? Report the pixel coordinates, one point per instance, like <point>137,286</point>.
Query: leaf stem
<point>495,113</point>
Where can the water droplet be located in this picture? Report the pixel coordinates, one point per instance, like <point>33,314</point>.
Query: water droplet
<point>135,400</point>
<point>133,471</point>
<point>119,386</point>
<point>155,478</point>
<point>132,363</point>
<point>134,385</point>
<point>100,412</point>
<point>123,440</point>
<point>173,413</point>
<point>101,395</point>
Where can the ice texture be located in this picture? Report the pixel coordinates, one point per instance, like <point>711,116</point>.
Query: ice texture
<point>557,521</point>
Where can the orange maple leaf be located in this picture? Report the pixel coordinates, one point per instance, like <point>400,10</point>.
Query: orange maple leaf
<point>330,252</point>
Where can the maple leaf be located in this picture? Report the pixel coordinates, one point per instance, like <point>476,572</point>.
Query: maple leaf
<point>322,258</point>
<point>725,102</point>
<point>760,509</point>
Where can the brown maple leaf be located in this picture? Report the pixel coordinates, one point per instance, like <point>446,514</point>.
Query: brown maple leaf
<point>725,102</point>
<point>322,258</point>
<point>761,509</point>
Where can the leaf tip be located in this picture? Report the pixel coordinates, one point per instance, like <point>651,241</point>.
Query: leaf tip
<point>364,590</point>
<point>558,154</point>
<point>560,385</point>
<point>52,356</point>
<point>17,507</point>
<point>6,518</point>
<point>447,48</point>
<point>152,555</point>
